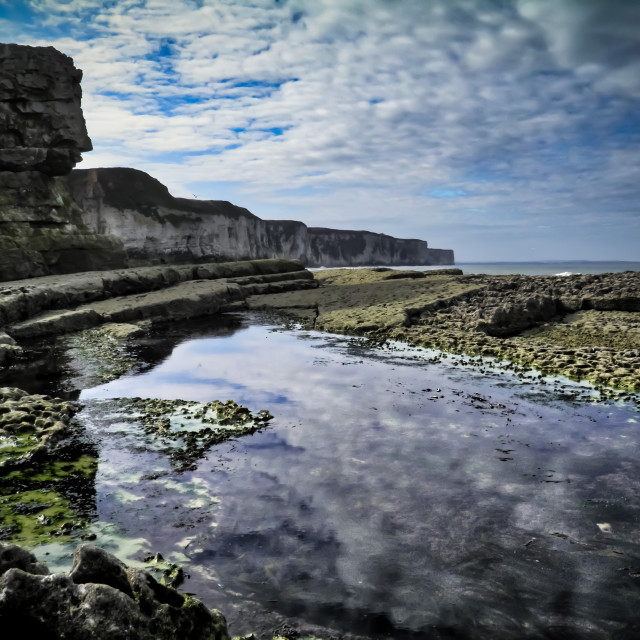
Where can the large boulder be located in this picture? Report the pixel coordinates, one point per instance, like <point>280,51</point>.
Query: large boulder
<point>100,598</point>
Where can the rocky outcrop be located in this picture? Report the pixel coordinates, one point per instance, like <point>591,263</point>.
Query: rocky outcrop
<point>99,597</point>
<point>337,248</point>
<point>63,304</point>
<point>155,227</point>
<point>42,134</point>
<point>43,128</point>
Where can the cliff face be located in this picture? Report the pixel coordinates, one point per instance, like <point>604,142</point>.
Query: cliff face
<point>155,227</point>
<point>42,132</point>
<point>335,248</point>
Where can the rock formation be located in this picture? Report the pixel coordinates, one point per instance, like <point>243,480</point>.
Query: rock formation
<point>42,132</point>
<point>100,597</point>
<point>53,305</point>
<point>155,227</point>
<point>337,248</point>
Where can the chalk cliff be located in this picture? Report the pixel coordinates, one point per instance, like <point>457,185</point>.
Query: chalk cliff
<point>156,227</point>
<point>42,132</point>
<point>337,248</point>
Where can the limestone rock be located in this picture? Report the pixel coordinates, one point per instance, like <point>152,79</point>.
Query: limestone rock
<point>92,564</point>
<point>14,557</point>
<point>42,125</point>
<point>32,427</point>
<point>101,597</point>
<point>155,227</point>
<point>337,248</point>
<point>42,133</point>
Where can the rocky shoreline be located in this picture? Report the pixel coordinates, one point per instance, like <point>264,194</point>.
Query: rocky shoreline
<point>586,327</point>
<point>53,305</point>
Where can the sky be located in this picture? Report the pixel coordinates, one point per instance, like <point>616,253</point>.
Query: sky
<point>501,129</point>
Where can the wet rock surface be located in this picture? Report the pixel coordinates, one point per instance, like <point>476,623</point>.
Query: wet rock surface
<point>39,461</point>
<point>61,304</point>
<point>100,597</point>
<point>582,326</point>
<point>31,426</point>
<point>186,430</point>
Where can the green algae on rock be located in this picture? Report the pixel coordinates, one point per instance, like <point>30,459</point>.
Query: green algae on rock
<point>31,426</point>
<point>38,468</point>
<point>169,573</point>
<point>185,430</point>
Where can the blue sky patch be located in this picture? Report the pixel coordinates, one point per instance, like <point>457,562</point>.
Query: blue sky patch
<point>447,193</point>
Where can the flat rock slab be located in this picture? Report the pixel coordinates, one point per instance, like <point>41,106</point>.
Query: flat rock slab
<point>61,304</point>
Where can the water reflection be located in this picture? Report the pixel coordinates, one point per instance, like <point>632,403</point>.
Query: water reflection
<point>388,495</point>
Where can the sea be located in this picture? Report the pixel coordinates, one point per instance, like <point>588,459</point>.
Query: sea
<point>560,268</point>
<point>540,268</point>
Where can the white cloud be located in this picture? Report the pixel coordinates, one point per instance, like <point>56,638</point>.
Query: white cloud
<point>375,102</point>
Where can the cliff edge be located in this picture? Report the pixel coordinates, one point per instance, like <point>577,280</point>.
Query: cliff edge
<point>42,133</point>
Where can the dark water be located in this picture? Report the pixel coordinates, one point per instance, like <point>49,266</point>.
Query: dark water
<point>390,496</point>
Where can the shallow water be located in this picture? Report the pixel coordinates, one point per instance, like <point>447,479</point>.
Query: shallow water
<point>390,494</point>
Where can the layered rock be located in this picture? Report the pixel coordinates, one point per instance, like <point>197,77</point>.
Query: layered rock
<point>155,227</point>
<point>62,304</point>
<point>43,128</point>
<point>337,248</point>
<point>42,134</point>
<point>100,597</point>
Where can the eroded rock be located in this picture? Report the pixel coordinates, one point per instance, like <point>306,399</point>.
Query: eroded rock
<point>100,597</point>
<point>185,430</point>
<point>43,128</point>
<point>582,326</point>
<point>42,135</point>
